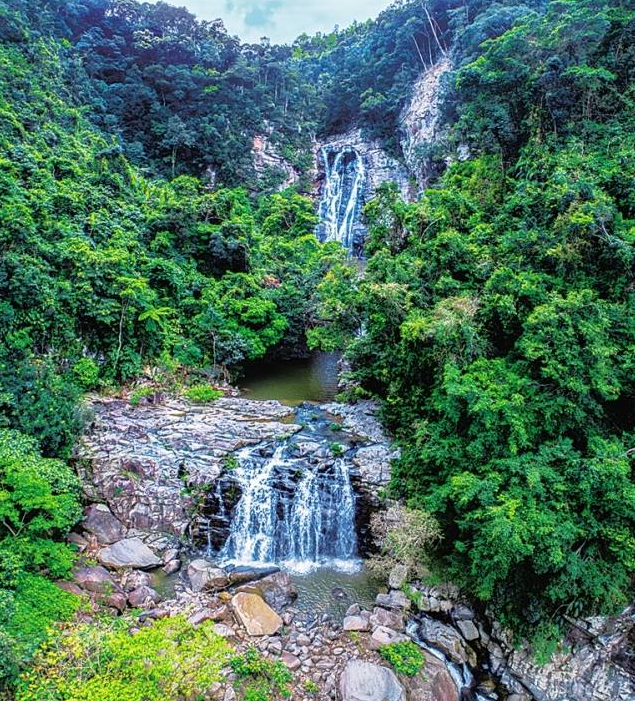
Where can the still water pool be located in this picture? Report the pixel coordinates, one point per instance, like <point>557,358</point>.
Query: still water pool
<point>293,382</point>
<point>327,590</point>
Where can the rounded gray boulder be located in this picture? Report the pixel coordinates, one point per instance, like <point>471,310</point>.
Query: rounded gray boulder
<point>365,681</point>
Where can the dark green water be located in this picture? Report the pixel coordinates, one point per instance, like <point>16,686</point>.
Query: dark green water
<point>293,382</point>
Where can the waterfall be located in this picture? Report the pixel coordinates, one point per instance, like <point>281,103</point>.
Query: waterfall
<point>295,511</point>
<point>342,197</point>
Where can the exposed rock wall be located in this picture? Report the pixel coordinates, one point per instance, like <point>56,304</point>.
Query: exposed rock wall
<point>153,464</point>
<point>146,462</point>
<point>598,663</point>
<point>349,169</point>
<point>269,165</point>
<point>379,166</point>
<point>420,119</point>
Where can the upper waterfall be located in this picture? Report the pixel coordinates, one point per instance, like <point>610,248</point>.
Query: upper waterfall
<point>342,197</point>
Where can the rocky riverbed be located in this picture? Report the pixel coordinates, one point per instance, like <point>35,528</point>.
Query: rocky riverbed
<point>150,464</point>
<point>149,472</point>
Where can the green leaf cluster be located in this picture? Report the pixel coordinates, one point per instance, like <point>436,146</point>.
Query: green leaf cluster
<point>406,657</point>
<point>39,504</point>
<point>103,661</point>
<point>261,679</point>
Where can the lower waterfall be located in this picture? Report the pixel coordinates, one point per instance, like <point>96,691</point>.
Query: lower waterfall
<point>342,197</point>
<point>295,510</point>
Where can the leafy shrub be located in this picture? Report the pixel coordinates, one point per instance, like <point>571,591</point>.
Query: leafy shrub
<point>38,400</point>
<point>405,657</point>
<point>337,449</point>
<point>39,503</point>
<point>142,393</point>
<point>404,536</point>
<point>202,394</point>
<point>261,679</point>
<point>167,661</point>
<point>37,605</point>
<point>86,373</point>
<point>230,462</point>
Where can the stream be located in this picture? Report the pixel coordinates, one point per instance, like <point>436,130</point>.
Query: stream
<point>297,508</point>
<point>290,502</point>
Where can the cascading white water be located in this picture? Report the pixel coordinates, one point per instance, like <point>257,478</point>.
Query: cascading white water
<point>293,511</point>
<point>251,537</point>
<point>342,197</point>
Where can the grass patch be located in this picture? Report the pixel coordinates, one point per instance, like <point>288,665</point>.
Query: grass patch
<point>406,658</point>
<point>169,661</point>
<point>260,679</point>
<point>202,394</point>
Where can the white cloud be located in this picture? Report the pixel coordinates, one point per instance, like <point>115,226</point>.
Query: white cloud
<point>283,20</point>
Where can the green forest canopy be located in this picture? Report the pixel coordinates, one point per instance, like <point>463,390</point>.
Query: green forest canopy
<point>498,309</point>
<point>499,317</point>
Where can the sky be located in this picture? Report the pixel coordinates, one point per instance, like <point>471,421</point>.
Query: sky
<point>282,20</point>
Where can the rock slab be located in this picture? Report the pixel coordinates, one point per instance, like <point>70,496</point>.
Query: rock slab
<point>365,681</point>
<point>204,575</point>
<point>255,614</point>
<point>100,521</point>
<point>131,552</point>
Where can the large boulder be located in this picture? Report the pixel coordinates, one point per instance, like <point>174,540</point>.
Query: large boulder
<point>131,552</point>
<point>99,520</point>
<point>382,635</point>
<point>244,573</point>
<point>117,600</point>
<point>204,575</point>
<point>101,586</point>
<point>365,681</point>
<point>398,576</point>
<point>172,567</point>
<point>447,639</point>
<point>219,613</point>
<point>143,597</point>
<point>356,623</point>
<point>255,614</point>
<point>433,683</point>
<point>96,580</point>
<point>373,463</point>
<point>133,579</point>
<point>395,599</point>
<point>278,590</point>
<point>384,617</point>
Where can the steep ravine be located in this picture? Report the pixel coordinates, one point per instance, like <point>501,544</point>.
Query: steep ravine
<point>348,168</point>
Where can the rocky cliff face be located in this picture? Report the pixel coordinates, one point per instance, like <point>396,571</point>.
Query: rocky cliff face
<point>597,662</point>
<point>148,463</point>
<point>420,119</point>
<point>271,169</point>
<point>349,169</point>
<point>379,166</point>
<point>161,467</point>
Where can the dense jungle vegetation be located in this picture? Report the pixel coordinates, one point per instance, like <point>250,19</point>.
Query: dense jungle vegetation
<point>499,309</point>
<point>499,317</point>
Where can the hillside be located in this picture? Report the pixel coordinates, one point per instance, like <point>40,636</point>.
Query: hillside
<point>177,208</point>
